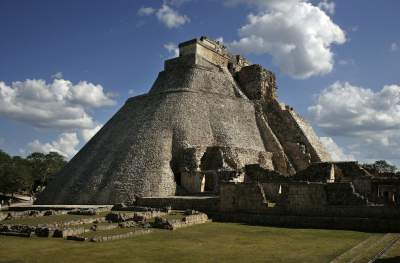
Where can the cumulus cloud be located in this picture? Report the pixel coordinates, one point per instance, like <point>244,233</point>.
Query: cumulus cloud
<point>59,104</point>
<point>57,75</point>
<point>336,152</point>
<point>172,48</point>
<point>146,11</point>
<point>66,145</point>
<point>170,17</point>
<point>371,119</point>
<point>345,109</point>
<point>346,62</point>
<point>297,34</point>
<point>327,6</point>
<point>394,47</point>
<point>87,134</point>
<point>177,2</point>
<point>166,15</point>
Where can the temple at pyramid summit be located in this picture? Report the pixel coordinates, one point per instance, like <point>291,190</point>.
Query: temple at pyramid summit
<point>208,114</point>
<point>211,135</point>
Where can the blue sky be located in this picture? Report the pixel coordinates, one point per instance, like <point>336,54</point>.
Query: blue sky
<point>85,58</point>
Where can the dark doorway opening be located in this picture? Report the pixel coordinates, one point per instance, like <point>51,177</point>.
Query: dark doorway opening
<point>178,178</point>
<point>209,182</point>
<point>386,197</point>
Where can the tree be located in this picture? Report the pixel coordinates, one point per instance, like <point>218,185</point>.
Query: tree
<point>19,174</point>
<point>384,167</point>
<point>16,176</point>
<point>44,166</point>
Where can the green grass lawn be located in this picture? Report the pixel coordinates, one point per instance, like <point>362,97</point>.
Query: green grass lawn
<point>212,242</point>
<point>392,255</point>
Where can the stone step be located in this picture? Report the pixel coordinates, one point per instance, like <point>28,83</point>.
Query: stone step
<point>368,250</point>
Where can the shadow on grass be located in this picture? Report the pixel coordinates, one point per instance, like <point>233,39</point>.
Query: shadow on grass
<point>388,260</point>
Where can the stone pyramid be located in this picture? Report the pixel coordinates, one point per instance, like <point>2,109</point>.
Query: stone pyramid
<point>207,116</point>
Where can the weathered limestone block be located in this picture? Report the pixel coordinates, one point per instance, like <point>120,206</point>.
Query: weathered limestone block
<point>257,83</point>
<point>120,217</point>
<point>344,194</point>
<point>63,233</point>
<point>44,232</point>
<point>188,220</point>
<point>77,238</point>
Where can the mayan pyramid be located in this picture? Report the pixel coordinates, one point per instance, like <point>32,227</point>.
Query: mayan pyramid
<point>207,116</point>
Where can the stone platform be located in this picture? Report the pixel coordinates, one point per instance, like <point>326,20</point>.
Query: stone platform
<point>56,207</point>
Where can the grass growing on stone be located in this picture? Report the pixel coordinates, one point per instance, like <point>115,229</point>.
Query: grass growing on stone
<point>212,242</point>
<point>110,232</point>
<point>33,221</point>
<point>175,215</point>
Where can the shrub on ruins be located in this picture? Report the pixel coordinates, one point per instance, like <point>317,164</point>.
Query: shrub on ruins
<point>381,168</point>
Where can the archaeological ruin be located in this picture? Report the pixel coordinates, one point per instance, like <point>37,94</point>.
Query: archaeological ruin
<point>211,135</point>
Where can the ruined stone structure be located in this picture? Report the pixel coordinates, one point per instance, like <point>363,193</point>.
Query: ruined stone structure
<point>207,116</point>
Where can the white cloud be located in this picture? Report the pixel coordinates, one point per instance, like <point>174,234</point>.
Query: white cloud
<point>58,75</point>
<point>170,17</point>
<point>220,39</point>
<point>65,145</point>
<point>354,28</point>
<point>87,134</point>
<point>344,109</point>
<point>394,47</point>
<point>59,104</point>
<point>88,94</point>
<point>335,151</point>
<point>177,2</point>
<point>369,119</point>
<point>295,33</point>
<point>327,6</point>
<point>146,11</point>
<point>262,4</point>
<point>166,15</point>
<point>346,62</point>
<point>172,48</point>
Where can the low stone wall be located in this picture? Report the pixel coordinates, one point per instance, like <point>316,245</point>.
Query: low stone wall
<point>17,234</point>
<point>21,229</point>
<point>3,216</point>
<point>300,199</point>
<point>90,211</point>
<point>200,203</point>
<point>31,213</point>
<point>323,222</point>
<point>63,233</point>
<point>189,220</point>
<point>82,221</point>
<point>120,236</point>
<point>57,207</point>
<point>133,216</point>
